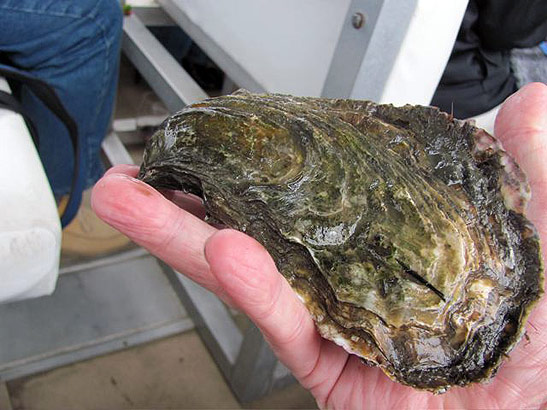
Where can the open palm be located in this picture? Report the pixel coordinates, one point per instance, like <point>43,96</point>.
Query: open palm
<point>241,272</point>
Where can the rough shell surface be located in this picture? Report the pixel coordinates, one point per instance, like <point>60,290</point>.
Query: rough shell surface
<point>401,229</point>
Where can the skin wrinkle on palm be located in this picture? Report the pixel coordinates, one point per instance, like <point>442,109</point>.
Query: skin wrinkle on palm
<point>334,380</point>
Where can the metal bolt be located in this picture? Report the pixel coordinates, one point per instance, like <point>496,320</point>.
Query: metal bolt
<point>357,20</point>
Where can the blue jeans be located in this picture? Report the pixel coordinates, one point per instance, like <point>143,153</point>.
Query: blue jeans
<point>74,46</point>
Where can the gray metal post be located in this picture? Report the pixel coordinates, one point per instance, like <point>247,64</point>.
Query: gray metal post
<point>255,359</point>
<point>368,45</point>
<point>359,24</point>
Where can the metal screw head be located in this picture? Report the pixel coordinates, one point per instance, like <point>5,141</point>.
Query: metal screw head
<point>357,20</point>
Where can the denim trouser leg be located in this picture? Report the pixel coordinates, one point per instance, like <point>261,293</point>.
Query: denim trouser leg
<point>74,46</point>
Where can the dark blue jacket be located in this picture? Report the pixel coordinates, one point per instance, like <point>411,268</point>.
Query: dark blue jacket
<point>478,75</point>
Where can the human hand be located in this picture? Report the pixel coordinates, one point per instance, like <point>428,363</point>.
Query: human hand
<point>241,272</point>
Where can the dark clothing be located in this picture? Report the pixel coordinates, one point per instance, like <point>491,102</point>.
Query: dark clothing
<point>478,75</point>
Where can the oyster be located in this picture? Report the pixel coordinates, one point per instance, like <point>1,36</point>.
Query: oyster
<point>401,229</point>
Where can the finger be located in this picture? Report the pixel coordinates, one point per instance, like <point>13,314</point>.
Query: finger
<point>127,169</point>
<point>188,202</point>
<point>521,126</point>
<point>250,278</point>
<point>523,112</point>
<point>152,221</point>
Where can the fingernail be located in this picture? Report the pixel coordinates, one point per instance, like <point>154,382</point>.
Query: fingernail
<point>118,199</point>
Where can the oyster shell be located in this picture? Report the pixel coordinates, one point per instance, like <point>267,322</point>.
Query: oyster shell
<point>401,229</point>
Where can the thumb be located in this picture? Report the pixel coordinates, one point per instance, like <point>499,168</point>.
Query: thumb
<point>248,275</point>
<point>521,126</point>
<point>152,221</point>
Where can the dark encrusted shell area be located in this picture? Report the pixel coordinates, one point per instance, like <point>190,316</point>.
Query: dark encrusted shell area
<point>401,229</point>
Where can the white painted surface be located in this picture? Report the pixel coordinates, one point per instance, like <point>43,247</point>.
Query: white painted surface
<point>141,3</point>
<point>30,232</point>
<point>423,54</point>
<point>285,45</point>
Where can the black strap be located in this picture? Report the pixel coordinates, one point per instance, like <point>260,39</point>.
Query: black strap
<point>9,102</point>
<point>49,97</point>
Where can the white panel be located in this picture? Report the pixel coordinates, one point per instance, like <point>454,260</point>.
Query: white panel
<point>424,52</point>
<point>285,45</point>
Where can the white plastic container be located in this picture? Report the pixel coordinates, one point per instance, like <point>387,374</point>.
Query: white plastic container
<point>30,231</point>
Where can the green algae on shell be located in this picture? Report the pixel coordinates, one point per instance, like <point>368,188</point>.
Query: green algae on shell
<point>401,229</point>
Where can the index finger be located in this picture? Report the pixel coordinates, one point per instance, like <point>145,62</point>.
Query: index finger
<point>152,221</point>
